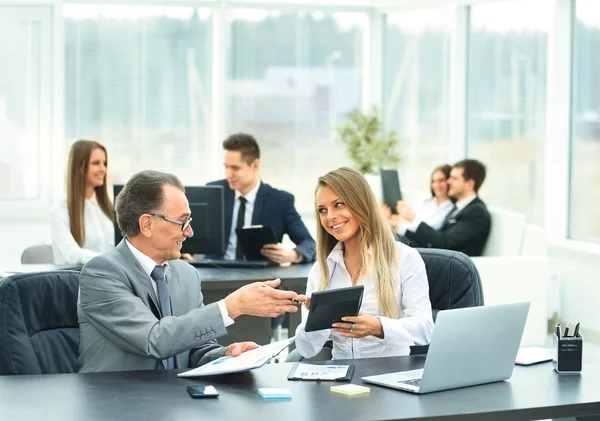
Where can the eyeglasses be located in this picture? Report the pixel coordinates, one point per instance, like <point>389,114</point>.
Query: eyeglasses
<point>184,224</point>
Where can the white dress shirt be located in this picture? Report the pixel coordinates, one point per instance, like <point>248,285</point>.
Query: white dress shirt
<point>431,212</point>
<point>462,203</point>
<point>414,327</point>
<point>250,200</point>
<point>99,233</point>
<point>148,265</point>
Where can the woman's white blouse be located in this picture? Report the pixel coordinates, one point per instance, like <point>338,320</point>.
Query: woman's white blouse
<point>433,214</point>
<point>414,327</point>
<point>99,233</point>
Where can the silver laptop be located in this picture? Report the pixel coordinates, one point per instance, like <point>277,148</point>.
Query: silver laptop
<point>469,346</point>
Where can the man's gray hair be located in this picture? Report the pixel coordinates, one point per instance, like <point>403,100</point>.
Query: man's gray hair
<point>142,194</point>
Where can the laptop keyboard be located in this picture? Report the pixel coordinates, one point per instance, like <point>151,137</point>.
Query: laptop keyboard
<point>411,382</point>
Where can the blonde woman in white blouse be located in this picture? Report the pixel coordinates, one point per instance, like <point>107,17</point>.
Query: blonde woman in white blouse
<point>355,246</point>
<point>82,226</point>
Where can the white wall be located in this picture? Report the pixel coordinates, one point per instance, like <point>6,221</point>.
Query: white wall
<point>577,267</point>
<point>15,236</point>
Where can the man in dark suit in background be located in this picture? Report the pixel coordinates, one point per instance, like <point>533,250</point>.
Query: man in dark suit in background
<point>467,227</point>
<point>262,204</point>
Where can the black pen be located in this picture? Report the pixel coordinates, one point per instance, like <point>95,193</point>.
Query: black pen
<point>576,333</point>
<point>566,335</point>
<point>558,331</point>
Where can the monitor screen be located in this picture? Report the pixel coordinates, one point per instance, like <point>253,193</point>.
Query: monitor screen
<point>206,204</point>
<point>390,184</point>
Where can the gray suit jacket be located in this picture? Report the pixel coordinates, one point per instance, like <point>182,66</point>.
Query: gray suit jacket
<point>120,327</point>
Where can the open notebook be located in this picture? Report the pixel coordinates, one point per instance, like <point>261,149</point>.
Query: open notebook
<point>247,361</point>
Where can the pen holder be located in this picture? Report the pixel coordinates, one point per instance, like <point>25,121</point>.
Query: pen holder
<point>568,353</point>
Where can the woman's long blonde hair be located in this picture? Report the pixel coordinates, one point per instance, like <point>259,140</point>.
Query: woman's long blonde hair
<point>373,233</point>
<point>79,162</point>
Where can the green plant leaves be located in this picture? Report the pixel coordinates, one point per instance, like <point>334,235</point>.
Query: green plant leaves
<point>367,145</point>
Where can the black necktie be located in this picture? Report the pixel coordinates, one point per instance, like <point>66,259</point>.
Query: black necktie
<point>162,289</point>
<point>240,224</point>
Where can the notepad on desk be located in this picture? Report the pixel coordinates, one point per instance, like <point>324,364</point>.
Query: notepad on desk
<point>321,372</point>
<point>533,355</point>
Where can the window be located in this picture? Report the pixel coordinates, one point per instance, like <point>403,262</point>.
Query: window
<point>506,102</point>
<point>416,91</point>
<point>24,106</point>
<point>137,79</point>
<point>292,75</point>
<point>585,137</point>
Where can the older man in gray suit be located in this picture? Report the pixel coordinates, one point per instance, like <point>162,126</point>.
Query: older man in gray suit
<point>140,307</point>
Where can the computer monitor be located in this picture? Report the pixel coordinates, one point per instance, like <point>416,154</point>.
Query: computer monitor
<point>390,184</point>
<point>206,204</point>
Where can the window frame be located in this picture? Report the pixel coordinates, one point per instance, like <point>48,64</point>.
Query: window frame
<point>36,209</point>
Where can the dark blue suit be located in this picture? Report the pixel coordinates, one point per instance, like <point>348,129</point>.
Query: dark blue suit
<point>274,208</point>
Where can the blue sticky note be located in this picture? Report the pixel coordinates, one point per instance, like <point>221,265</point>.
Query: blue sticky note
<point>274,393</point>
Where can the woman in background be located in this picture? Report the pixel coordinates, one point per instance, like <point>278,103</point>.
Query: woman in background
<point>433,211</point>
<point>356,247</point>
<point>82,226</point>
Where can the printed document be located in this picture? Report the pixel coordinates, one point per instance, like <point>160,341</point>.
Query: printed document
<point>244,362</point>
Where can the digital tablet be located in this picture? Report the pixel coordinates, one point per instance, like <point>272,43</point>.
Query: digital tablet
<point>390,184</point>
<point>252,238</point>
<point>328,307</point>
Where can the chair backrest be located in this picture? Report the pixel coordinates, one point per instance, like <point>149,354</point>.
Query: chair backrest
<point>454,281</point>
<point>38,254</point>
<point>39,331</point>
<point>506,234</point>
<point>535,241</point>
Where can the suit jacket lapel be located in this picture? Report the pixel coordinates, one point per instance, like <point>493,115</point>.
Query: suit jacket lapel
<point>454,214</point>
<point>448,217</point>
<point>141,277</point>
<point>259,204</point>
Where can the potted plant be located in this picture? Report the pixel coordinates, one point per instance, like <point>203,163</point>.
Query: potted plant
<point>369,147</point>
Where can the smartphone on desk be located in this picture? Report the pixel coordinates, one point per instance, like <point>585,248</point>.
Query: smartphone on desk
<point>202,391</point>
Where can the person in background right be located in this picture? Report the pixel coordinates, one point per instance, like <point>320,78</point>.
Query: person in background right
<point>433,211</point>
<point>467,227</point>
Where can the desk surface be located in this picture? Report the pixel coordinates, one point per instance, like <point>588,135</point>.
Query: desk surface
<point>533,392</point>
<point>293,275</point>
<point>293,272</point>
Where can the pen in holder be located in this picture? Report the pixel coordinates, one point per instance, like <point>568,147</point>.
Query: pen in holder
<point>568,351</point>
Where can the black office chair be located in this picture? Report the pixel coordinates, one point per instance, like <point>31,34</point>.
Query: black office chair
<point>453,283</point>
<point>39,332</point>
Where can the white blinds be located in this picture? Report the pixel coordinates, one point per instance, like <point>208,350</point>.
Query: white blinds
<point>137,79</point>
<point>292,76</point>
<point>506,102</point>
<point>585,138</point>
<point>416,91</point>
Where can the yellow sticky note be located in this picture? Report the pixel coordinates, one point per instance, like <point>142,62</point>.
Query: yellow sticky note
<point>350,390</point>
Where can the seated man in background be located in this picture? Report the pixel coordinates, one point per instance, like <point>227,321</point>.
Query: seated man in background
<point>467,227</point>
<point>140,308</point>
<point>260,203</point>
